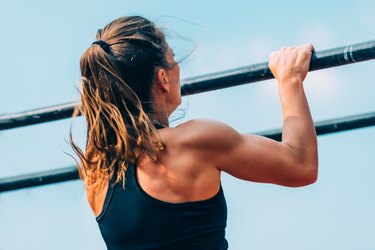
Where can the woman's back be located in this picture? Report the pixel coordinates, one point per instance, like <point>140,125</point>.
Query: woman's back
<point>174,203</point>
<point>182,172</point>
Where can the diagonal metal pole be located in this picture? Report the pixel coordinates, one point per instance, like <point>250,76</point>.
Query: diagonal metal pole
<point>37,116</point>
<point>71,173</point>
<point>257,72</point>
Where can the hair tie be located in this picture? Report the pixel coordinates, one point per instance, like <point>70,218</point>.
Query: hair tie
<point>102,44</point>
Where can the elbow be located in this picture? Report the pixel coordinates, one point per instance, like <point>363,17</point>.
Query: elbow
<point>302,176</point>
<point>311,178</point>
<point>309,175</point>
<point>312,171</point>
<point>303,163</point>
<point>306,170</point>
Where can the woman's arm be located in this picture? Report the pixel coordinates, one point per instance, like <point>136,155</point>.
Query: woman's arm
<point>292,162</point>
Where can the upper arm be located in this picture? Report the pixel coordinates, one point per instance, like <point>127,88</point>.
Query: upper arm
<point>254,158</point>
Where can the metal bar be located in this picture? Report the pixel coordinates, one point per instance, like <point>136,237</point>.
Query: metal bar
<point>70,173</point>
<point>38,179</point>
<point>230,78</point>
<point>36,116</point>
<point>332,125</point>
<point>259,72</point>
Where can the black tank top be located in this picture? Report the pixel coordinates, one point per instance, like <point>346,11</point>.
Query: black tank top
<point>131,219</point>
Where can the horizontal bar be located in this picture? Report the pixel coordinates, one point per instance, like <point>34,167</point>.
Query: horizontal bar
<point>36,116</point>
<point>70,173</point>
<point>332,125</point>
<point>258,72</point>
<point>230,78</point>
<point>38,179</point>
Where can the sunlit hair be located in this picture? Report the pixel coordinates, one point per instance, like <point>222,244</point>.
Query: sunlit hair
<point>116,98</point>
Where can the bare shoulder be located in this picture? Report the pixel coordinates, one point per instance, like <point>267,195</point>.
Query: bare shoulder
<point>203,124</point>
<point>205,134</point>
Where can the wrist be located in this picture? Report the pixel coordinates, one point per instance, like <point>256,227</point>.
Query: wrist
<point>290,87</point>
<point>289,81</point>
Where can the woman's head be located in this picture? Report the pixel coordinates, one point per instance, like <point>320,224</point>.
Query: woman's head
<point>135,49</point>
<point>124,74</point>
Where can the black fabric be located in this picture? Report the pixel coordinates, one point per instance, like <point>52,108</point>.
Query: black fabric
<point>131,219</point>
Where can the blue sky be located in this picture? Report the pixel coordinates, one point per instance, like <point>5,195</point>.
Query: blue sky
<point>40,46</point>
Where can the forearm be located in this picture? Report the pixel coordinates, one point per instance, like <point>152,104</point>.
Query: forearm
<point>298,127</point>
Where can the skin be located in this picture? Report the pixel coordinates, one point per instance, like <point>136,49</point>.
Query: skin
<point>197,151</point>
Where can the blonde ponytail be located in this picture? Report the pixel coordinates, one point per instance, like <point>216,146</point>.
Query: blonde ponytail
<point>115,99</point>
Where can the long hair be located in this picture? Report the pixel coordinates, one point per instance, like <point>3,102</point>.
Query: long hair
<point>117,74</point>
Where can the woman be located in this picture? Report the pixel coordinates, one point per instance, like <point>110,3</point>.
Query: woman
<point>155,187</point>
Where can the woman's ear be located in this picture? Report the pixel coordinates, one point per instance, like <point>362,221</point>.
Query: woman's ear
<point>162,79</point>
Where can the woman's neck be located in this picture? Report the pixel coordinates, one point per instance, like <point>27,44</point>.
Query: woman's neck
<point>160,121</point>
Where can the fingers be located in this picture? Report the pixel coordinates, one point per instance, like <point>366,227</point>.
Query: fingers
<point>291,62</point>
<point>301,50</point>
<point>309,47</point>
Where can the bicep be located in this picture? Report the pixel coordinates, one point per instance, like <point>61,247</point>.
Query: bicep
<point>260,159</point>
<point>248,157</point>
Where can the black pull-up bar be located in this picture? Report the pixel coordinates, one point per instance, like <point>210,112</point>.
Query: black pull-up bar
<point>258,72</point>
<point>230,78</point>
<point>71,173</point>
